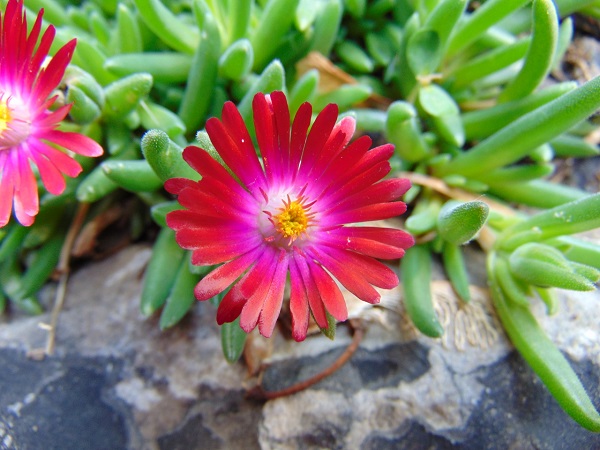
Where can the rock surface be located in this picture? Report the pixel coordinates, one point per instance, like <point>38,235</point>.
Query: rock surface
<point>117,382</point>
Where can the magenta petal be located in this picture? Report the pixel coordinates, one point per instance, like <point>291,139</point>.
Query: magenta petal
<point>330,293</point>
<point>260,271</point>
<point>51,176</point>
<point>75,142</point>
<point>176,185</point>
<point>298,304</point>
<point>219,279</point>
<point>200,238</point>
<point>317,137</point>
<point>235,126</point>
<point>390,236</point>
<point>63,162</point>
<point>352,185</point>
<point>298,137</point>
<point>220,252</point>
<point>369,213</point>
<point>312,292</point>
<point>256,287</point>
<point>264,123</point>
<point>48,121</point>
<point>384,191</point>
<point>6,194</point>
<point>195,199</point>
<point>274,299</point>
<point>50,77</point>
<point>336,174</point>
<point>184,218</point>
<point>367,246</point>
<point>373,271</point>
<point>26,198</point>
<point>234,154</point>
<point>351,279</point>
<point>282,122</point>
<point>212,171</point>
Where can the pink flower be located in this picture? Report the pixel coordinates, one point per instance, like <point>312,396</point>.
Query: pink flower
<point>27,126</point>
<point>288,215</point>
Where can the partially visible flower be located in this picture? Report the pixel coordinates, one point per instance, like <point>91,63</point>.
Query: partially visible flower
<point>27,126</point>
<point>288,215</point>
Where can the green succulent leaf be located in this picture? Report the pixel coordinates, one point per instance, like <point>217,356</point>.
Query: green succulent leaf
<point>124,95</point>
<point>404,131</point>
<point>415,274</point>
<point>545,266</point>
<point>161,272</point>
<point>573,217</point>
<point>423,52</point>
<point>236,61</point>
<point>233,339</point>
<point>535,128</point>
<point>181,297</point>
<point>543,357</point>
<point>540,54</point>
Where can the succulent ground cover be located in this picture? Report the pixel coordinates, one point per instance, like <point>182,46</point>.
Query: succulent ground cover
<point>471,94</point>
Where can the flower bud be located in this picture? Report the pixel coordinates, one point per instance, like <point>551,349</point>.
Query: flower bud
<point>165,157</point>
<point>458,223</point>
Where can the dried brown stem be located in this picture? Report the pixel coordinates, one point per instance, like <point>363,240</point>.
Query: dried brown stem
<point>63,270</point>
<point>258,393</point>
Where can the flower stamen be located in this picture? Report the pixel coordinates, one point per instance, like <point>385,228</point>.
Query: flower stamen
<point>293,219</point>
<point>5,116</point>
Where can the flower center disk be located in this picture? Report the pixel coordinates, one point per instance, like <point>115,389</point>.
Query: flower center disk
<point>5,116</point>
<point>292,221</point>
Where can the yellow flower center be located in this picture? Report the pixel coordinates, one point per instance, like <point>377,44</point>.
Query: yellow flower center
<point>5,116</point>
<point>292,221</point>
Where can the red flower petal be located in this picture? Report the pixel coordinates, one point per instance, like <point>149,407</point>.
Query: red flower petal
<point>274,298</point>
<point>264,124</point>
<point>219,279</point>
<point>317,137</point>
<point>61,160</point>
<point>351,279</point>
<point>176,185</point>
<point>368,213</point>
<point>231,306</point>
<point>298,137</point>
<point>314,298</point>
<point>235,126</point>
<point>330,293</point>
<point>75,142</point>
<point>26,201</point>
<point>298,304</point>
<point>217,253</point>
<point>234,154</point>
<point>256,287</point>
<point>51,176</point>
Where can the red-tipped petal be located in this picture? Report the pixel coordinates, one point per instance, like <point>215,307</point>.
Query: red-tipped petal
<point>219,279</point>
<point>274,298</point>
<point>231,306</point>
<point>75,142</point>
<point>330,293</point>
<point>176,185</point>
<point>298,304</point>
<point>351,279</point>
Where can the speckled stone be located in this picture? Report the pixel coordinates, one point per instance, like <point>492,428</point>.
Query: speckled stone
<point>117,382</point>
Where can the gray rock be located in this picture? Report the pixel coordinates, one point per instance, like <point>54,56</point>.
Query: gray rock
<point>117,382</point>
